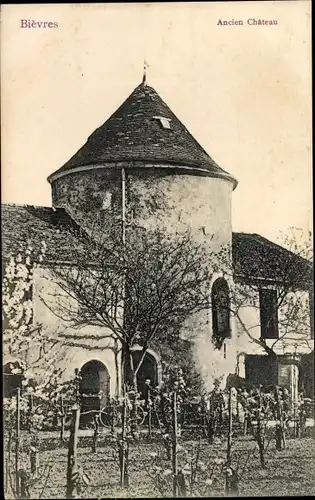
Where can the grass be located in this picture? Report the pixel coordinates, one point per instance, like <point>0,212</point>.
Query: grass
<point>289,472</point>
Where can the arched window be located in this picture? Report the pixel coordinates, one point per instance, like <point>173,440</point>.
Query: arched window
<point>220,303</point>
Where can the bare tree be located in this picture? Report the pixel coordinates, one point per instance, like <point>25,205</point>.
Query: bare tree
<point>141,289</point>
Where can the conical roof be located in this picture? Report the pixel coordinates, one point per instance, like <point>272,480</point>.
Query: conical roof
<point>145,130</point>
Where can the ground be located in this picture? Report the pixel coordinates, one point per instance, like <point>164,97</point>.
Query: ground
<point>287,473</point>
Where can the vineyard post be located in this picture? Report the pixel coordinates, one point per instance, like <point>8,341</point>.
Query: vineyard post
<point>260,437</point>
<point>124,445</point>
<point>296,427</point>
<point>212,419</point>
<point>112,415</point>
<point>72,454</point>
<point>17,440</point>
<point>24,490</point>
<point>149,413</point>
<point>300,418</point>
<point>204,417</point>
<point>229,441</point>
<point>30,412</point>
<point>279,428</point>
<point>95,434</point>
<point>245,421</point>
<point>8,460</point>
<point>174,443</point>
<point>62,417</point>
<point>34,454</point>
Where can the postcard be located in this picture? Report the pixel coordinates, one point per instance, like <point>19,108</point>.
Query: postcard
<point>157,250</point>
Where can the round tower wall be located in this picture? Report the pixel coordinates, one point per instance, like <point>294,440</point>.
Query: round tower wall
<point>175,202</point>
<point>161,198</point>
<point>154,198</point>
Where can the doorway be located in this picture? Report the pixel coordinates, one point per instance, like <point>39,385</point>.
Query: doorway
<point>94,387</point>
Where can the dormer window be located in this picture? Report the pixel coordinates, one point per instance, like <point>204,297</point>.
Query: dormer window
<point>164,122</point>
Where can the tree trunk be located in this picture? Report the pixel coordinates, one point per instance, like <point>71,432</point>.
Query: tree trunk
<point>134,423</point>
<point>129,378</point>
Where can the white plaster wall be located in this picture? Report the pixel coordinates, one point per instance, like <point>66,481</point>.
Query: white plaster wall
<point>153,196</point>
<point>70,357</point>
<point>175,202</point>
<point>293,343</point>
<point>203,204</point>
<point>212,363</point>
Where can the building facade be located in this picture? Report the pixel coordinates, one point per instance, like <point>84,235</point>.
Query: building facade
<point>142,167</point>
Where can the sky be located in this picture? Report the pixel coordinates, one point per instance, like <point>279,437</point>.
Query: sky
<point>243,91</point>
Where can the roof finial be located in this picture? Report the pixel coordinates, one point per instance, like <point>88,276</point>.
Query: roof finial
<point>145,66</point>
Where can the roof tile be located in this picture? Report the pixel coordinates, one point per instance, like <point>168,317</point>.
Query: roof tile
<point>132,134</point>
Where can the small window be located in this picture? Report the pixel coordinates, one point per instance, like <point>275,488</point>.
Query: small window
<point>268,313</point>
<point>164,122</point>
<point>220,303</point>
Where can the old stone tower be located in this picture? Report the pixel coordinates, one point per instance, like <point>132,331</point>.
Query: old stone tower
<point>145,164</point>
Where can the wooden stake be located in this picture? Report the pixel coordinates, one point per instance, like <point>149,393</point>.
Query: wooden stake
<point>72,454</point>
<point>17,440</point>
<point>229,442</point>
<point>245,422</point>
<point>34,455</point>
<point>149,414</point>
<point>63,417</point>
<point>123,454</point>
<point>260,439</point>
<point>30,412</point>
<point>174,443</point>
<point>230,430</point>
<point>8,460</point>
<point>95,435</point>
<point>280,439</point>
<point>112,416</point>
<point>24,477</point>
